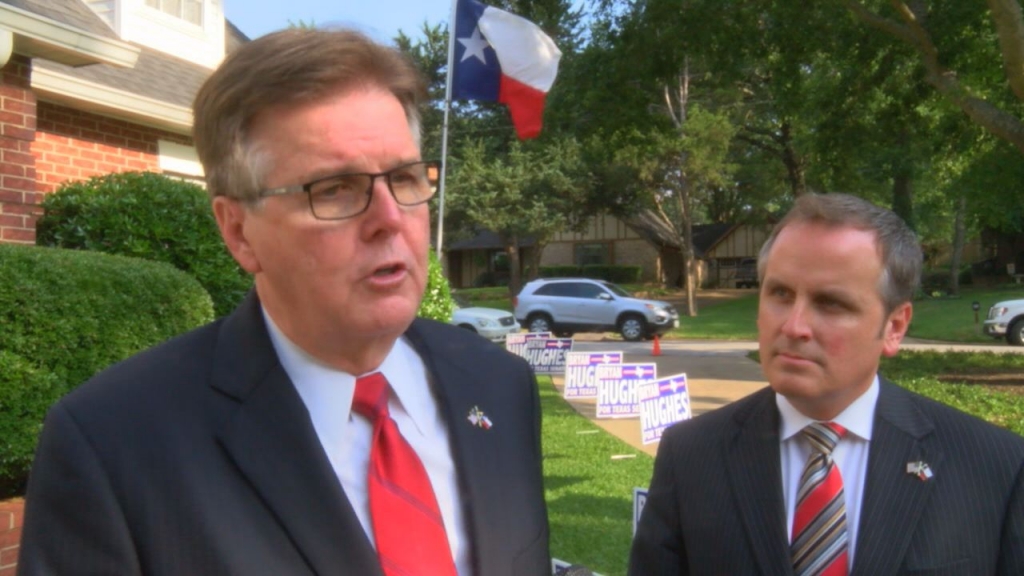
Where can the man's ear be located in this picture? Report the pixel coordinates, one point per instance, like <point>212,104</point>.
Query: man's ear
<point>231,215</point>
<point>896,326</point>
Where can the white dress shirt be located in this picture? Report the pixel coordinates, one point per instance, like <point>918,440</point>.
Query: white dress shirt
<point>345,436</point>
<point>850,456</point>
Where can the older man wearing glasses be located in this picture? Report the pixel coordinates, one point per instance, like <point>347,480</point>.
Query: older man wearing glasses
<point>320,428</point>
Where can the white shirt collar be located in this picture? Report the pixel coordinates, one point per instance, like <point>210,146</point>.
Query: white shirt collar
<point>400,367</point>
<point>858,418</point>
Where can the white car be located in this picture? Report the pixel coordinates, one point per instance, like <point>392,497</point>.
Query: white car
<point>490,323</point>
<point>1006,320</point>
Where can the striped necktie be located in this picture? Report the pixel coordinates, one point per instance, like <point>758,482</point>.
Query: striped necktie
<point>820,540</point>
<point>407,523</point>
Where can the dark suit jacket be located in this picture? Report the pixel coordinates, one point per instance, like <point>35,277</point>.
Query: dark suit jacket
<point>715,503</point>
<point>198,457</point>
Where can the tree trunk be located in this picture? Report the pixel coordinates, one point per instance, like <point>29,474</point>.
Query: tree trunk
<point>514,277</point>
<point>534,263</point>
<point>903,197</point>
<point>959,237</point>
<point>794,166</point>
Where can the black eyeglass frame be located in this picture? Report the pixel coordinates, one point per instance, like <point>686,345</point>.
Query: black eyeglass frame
<point>308,187</point>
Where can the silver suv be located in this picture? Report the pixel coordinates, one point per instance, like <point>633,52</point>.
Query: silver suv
<point>568,305</point>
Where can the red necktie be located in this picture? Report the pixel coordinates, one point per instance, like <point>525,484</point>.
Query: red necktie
<point>407,523</point>
<point>820,539</point>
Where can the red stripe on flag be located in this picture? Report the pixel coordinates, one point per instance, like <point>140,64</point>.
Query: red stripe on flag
<point>525,104</point>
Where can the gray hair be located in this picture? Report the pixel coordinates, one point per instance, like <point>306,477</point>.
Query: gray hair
<point>899,248</point>
<point>291,67</point>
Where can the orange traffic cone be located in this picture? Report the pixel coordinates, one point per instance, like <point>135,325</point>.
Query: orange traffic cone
<point>657,346</point>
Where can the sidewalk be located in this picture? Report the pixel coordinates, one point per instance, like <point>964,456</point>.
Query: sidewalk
<point>717,373</point>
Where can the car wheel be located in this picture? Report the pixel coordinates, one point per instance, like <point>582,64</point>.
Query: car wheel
<point>632,328</point>
<point>468,327</point>
<point>1015,335</point>
<point>538,323</point>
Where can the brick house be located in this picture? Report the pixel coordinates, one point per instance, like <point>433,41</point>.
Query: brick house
<point>90,87</point>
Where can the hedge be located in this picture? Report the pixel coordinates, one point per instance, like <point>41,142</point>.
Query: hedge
<point>26,392</point>
<point>615,274</point>
<point>67,314</point>
<point>149,216</point>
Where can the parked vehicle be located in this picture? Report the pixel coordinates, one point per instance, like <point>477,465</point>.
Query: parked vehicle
<point>1006,320</point>
<point>746,273</point>
<point>568,305</point>
<point>490,323</point>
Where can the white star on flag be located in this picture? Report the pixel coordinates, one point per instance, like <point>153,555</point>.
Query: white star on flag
<point>475,46</point>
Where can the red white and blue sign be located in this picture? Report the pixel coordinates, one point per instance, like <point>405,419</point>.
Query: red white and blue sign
<point>516,343</point>
<point>618,388</point>
<point>501,57</point>
<point>663,403</point>
<point>581,372</point>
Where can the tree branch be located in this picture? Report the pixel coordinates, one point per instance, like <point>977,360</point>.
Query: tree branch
<point>1009,23</point>
<point>997,121</point>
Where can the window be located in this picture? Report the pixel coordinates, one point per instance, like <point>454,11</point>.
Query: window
<point>188,10</point>
<point>598,253</point>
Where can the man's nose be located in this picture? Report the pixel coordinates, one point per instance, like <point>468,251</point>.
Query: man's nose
<point>797,324</point>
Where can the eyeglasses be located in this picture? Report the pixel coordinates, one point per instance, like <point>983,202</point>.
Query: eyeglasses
<point>346,195</point>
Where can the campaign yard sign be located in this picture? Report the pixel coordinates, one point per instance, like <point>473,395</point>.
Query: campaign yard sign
<point>663,403</point>
<point>639,501</point>
<point>516,343</point>
<point>617,388</point>
<point>581,372</point>
<point>547,355</point>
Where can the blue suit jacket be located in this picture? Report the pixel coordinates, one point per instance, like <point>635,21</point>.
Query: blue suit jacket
<point>199,457</point>
<point>715,504</point>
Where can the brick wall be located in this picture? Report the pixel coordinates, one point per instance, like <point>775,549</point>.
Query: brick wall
<point>76,145</point>
<point>43,145</point>
<point>11,516</point>
<point>18,195</point>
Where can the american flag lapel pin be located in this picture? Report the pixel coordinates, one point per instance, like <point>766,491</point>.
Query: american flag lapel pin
<point>920,469</point>
<point>479,419</point>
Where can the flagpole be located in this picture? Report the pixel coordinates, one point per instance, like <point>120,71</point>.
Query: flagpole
<point>444,128</point>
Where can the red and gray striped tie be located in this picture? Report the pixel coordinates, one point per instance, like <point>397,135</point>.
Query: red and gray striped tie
<point>407,523</point>
<point>820,539</point>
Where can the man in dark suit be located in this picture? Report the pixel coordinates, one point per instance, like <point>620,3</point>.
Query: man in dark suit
<point>832,469</point>
<point>320,428</point>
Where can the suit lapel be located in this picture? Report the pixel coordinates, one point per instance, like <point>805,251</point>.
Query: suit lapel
<point>476,452</point>
<point>753,462</point>
<point>272,441</point>
<point>893,499</point>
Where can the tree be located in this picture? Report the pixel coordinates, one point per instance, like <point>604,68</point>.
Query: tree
<point>533,191</point>
<point>955,66</point>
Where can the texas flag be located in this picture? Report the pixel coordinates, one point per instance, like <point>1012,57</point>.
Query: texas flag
<point>504,58</point>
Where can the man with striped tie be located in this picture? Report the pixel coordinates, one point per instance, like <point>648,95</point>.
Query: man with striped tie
<point>832,470</point>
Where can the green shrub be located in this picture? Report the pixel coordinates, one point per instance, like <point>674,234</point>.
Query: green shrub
<point>614,274</point>
<point>149,216</point>
<point>437,301</point>
<point>75,312</point>
<point>26,391</point>
<point>563,271</point>
<point>67,314</point>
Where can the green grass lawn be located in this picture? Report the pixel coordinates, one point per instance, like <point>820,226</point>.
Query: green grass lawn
<point>952,319</point>
<point>589,495</point>
<point>728,320</point>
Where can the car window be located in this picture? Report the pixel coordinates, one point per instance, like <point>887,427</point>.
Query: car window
<point>592,291</point>
<point>617,290</point>
<point>562,289</point>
